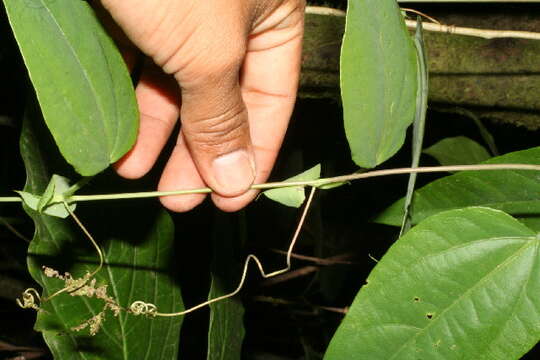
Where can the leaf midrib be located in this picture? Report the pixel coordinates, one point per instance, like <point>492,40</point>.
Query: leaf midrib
<point>86,77</point>
<point>534,242</point>
<point>121,317</point>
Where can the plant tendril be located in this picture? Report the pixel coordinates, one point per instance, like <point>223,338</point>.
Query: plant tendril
<point>142,308</point>
<point>90,237</point>
<point>75,284</point>
<point>29,297</point>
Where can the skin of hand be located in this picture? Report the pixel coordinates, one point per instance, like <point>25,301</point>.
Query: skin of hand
<point>229,70</point>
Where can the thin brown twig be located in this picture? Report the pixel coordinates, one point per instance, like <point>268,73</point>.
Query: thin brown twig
<point>303,271</point>
<point>432,19</point>
<point>482,33</point>
<point>278,301</point>
<point>434,27</point>
<point>317,260</point>
<point>14,231</point>
<point>343,311</point>
<point>32,352</point>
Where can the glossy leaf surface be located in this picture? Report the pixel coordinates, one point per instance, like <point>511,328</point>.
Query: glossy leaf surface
<point>378,80</point>
<point>513,191</point>
<point>460,285</point>
<point>80,79</point>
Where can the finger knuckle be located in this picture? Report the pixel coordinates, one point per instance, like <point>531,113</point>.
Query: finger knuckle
<point>215,132</point>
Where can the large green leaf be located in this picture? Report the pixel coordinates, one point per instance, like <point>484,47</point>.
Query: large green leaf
<point>463,284</point>
<point>378,80</point>
<point>81,81</point>
<point>226,327</point>
<point>514,191</point>
<point>137,240</point>
<point>459,150</point>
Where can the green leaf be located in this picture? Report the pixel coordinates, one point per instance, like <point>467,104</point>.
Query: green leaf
<point>484,132</point>
<point>513,191</point>
<point>378,80</point>
<point>294,196</point>
<point>47,196</point>
<point>226,329</point>
<point>532,222</point>
<point>80,79</point>
<point>460,285</point>
<point>51,202</point>
<point>458,150</point>
<point>137,239</point>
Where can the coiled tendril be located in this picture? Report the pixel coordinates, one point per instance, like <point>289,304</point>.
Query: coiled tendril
<point>30,299</point>
<point>142,308</point>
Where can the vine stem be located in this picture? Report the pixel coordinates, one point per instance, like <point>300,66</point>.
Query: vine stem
<point>434,27</point>
<point>140,307</point>
<point>315,183</point>
<point>10,199</point>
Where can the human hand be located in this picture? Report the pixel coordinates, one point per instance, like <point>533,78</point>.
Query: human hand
<point>229,69</point>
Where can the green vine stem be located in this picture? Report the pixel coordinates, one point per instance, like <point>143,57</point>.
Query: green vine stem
<point>314,183</point>
<point>142,308</point>
<point>31,297</point>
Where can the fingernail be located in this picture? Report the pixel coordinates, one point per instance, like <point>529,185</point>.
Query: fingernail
<point>234,172</point>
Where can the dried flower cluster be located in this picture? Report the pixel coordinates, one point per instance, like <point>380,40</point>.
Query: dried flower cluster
<point>85,287</point>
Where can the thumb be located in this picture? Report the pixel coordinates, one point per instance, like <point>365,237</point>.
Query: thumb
<point>216,129</point>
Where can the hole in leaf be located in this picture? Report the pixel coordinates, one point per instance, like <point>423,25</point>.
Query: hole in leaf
<point>416,299</point>
<point>429,316</point>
